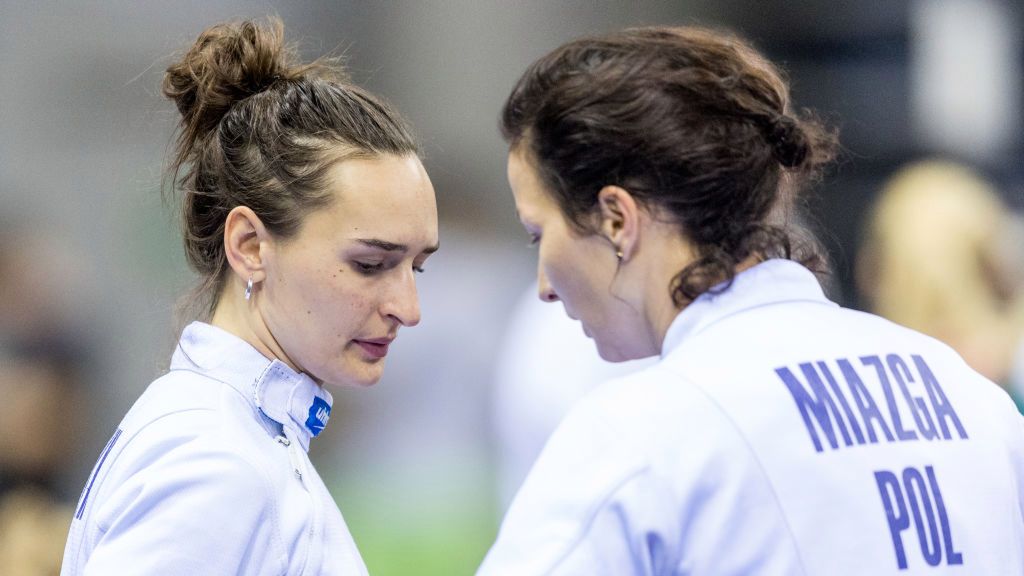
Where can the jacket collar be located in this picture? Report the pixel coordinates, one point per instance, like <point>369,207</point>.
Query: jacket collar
<point>287,397</point>
<point>770,282</point>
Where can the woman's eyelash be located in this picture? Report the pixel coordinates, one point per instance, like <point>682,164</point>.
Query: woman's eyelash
<point>371,268</point>
<point>364,267</point>
<point>534,239</point>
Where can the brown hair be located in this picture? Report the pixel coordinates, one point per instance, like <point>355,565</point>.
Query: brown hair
<point>693,122</point>
<point>260,129</point>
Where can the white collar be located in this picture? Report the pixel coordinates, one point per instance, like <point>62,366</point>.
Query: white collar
<point>770,282</point>
<point>287,397</point>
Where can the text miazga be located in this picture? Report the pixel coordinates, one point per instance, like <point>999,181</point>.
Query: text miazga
<point>834,401</point>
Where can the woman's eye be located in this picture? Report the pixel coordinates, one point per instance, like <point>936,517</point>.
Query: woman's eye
<point>367,268</point>
<point>418,269</point>
<point>534,239</point>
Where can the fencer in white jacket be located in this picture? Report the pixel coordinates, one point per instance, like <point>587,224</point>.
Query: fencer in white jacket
<point>779,434</point>
<point>306,214</point>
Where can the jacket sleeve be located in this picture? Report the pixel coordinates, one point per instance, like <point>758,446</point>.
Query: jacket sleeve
<point>197,510</point>
<point>591,505</point>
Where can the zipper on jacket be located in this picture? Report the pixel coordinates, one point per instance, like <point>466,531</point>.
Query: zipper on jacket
<point>294,458</point>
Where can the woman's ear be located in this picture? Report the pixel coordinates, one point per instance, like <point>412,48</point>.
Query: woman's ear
<point>244,237</point>
<point>620,219</point>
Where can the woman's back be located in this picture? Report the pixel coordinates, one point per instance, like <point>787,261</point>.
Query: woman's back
<point>780,434</point>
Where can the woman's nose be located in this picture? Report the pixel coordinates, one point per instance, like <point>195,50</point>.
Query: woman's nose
<point>403,303</point>
<point>544,290</point>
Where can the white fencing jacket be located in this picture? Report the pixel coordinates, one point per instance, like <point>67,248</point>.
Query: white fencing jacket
<point>779,435</point>
<point>208,473</point>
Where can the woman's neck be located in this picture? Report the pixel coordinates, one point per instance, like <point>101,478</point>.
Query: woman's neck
<point>240,317</point>
<point>662,307</point>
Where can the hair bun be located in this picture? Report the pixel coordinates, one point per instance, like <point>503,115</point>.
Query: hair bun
<point>227,63</point>
<point>789,144</point>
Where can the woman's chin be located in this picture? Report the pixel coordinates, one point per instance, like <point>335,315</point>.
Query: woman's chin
<point>361,377</point>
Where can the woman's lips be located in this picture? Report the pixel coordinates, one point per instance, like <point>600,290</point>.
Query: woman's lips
<point>375,349</point>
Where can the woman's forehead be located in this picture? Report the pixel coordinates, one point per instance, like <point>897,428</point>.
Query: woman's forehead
<point>381,195</point>
<point>380,179</point>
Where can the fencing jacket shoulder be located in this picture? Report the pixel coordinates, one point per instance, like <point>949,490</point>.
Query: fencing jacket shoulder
<point>208,473</point>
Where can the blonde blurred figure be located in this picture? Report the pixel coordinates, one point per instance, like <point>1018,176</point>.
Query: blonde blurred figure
<point>943,255</point>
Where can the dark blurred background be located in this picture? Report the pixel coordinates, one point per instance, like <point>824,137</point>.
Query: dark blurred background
<point>91,262</point>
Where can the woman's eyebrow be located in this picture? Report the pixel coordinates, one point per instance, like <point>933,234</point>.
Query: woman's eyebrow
<point>391,246</point>
<point>383,244</point>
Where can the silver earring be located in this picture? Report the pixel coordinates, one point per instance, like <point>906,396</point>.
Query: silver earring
<point>618,254</point>
<point>248,288</point>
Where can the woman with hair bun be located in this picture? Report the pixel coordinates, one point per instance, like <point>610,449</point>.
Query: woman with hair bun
<point>306,213</point>
<point>779,433</point>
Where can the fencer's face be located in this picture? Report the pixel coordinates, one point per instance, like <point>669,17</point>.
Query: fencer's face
<point>336,294</point>
<point>576,269</point>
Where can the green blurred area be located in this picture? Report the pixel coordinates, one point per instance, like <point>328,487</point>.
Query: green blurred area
<point>430,527</point>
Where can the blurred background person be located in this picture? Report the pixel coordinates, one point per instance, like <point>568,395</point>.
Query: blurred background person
<point>45,362</point>
<point>546,364</point>
<point>40,419</point>
<point>945,256</point>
